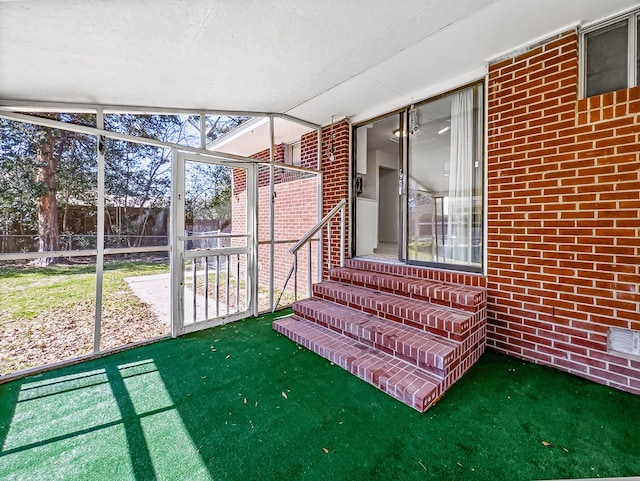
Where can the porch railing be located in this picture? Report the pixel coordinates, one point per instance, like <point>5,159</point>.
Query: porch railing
<point>340,208</point>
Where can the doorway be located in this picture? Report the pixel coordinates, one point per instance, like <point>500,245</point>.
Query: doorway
<point>213,251</point>
<point>420,184</point>
<point>377,204</point>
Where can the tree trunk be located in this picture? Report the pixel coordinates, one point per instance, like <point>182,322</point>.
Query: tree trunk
<point>48,229</point>
<point>65,212</point>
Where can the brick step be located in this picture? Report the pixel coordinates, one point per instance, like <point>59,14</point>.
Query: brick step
<point>401,380</point>
<point>427,351</point>
<point>443,321</point>
<point>437,292</point>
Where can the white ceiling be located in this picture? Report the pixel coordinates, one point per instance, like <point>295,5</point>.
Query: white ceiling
<point>308,58</point>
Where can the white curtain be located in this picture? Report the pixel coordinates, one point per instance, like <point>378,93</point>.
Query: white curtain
<point>461,177</point>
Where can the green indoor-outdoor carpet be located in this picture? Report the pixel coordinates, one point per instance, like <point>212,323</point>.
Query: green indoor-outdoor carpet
<point>240,402</point>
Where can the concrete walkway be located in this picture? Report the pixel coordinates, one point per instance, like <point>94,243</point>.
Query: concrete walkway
<point>155,291</point>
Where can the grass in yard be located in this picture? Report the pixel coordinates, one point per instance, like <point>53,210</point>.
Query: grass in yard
<point>46,313</point>
<point>420,250</point>
<point>27,291</point>
<point>240,402</point>
<point>287,298</point>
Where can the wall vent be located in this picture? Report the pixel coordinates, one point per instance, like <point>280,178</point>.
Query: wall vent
<point>624,341</point>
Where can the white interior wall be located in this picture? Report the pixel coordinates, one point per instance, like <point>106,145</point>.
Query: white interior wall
<point>388,205</point>
<point>370,180</point>
<point>380,183</point>
<point>427,168</point>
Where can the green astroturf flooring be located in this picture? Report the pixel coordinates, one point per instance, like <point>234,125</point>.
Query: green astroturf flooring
<point>241,402</point>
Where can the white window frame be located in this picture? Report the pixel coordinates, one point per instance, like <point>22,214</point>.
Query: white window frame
<point>632,17</point>
<point>290,157</point>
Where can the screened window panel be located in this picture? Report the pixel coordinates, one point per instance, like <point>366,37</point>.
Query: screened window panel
<point>637,50</point>
<point>606,61</point>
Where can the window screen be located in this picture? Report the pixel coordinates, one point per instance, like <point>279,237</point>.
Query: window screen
<point>638,49</point>
<point>607,59</point>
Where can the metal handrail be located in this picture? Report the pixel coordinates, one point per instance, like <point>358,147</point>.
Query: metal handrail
<point>306,239</point>
<point>314,230</point>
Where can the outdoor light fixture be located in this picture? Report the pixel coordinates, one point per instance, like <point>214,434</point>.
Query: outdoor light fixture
<point>414,120</point>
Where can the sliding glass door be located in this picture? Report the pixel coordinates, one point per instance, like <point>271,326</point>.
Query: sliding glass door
<point>418,184</point>
<point>445,181</point>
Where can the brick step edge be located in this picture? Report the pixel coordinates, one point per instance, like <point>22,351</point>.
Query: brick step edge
<point>442,321</point>
<point>463,279</point>
<point>449,295</point>
<point>399,379</point>
<point>422,349</point>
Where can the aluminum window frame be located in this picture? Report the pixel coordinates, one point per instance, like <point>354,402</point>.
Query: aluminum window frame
<point>481,147</point>
<point>632,17</point>
<point>480,95</point>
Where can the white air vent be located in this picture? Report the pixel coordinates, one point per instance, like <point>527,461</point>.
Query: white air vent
<point>624,341</point>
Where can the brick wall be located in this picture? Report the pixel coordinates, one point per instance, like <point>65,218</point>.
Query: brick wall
<point>335,175</point>
<point>296,202</point>
<point>309,150</point>
<point>563,215</point>
<point>296,211</point>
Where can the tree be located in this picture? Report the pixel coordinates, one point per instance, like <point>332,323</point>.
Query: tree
<point>208,193</point>
<point>45,170</point>
<point>47,206</point>
<point>38,154</point>
<point>138,176</point>
<point>18,216</point>
<point>216,126</point>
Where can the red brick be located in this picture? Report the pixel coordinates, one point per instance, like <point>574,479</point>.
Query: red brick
<point>584,209</point>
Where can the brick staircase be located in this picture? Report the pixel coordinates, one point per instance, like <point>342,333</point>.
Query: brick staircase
<point>409,336</point>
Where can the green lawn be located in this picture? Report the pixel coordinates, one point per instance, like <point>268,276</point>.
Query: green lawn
<point>46,313</point>
<point>240,402</point>
<point>29,290</point>
<point>420,250</point>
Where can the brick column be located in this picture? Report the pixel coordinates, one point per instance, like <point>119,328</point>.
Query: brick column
<point>335,182</point>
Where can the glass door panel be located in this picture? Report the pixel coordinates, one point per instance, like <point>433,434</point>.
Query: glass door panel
<point>378,171</point>
<point>445,174</point>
